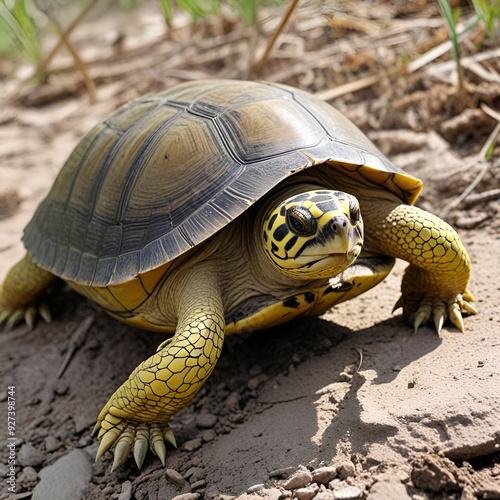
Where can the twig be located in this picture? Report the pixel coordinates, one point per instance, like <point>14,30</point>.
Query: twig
<point>42,65</point>
<point>475,198</point>
<point>259,65</point>
<point>494,114</point>
<point>335,92</point>
<point>479,158</point>
<point>77,340</point>
<point>89,83</point>
<point>79,63</point>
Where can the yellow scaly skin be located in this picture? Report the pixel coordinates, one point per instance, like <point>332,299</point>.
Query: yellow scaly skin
<point>20,292</point>
<point>439,271</point>
<point>160,386</point>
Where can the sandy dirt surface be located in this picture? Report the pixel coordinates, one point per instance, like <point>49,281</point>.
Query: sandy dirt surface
<point>349,405</point>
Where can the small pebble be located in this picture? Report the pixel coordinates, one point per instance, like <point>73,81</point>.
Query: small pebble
<point>273,494</point>
<point>254,382</point>
<point>172,476</point>
<point>305,493</point>
<point>255,487</point>
<point>233,401</point>
<point>237,418</point>
<point>29,455</point>
<point>126,493</point>
<point>3,396</point>
<point>388,488</point>
<point>199,484</point>
<point>208,435</point>
<point>193,444</point>
<point>195,474</point>
<point>51,443</point>
<point>348,493</point>
<point>324,475</point>
<point>67,477</point>
<point>206,420</point>
<point>29,474</point>
<point>345,470</point>
<point>325,495</point>
<point>300,479</point>
<point>187,496</point>
<point>283,472</point>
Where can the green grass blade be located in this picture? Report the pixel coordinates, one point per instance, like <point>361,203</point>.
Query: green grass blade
<point>247,10</point>
<point>448,15</point>
<point>167,10</point>
<point>27,42</point>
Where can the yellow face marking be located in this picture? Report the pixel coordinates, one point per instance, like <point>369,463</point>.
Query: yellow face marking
<point>314,234</point>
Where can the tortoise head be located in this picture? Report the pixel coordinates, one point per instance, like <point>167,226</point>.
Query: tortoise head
<point>316,234</point>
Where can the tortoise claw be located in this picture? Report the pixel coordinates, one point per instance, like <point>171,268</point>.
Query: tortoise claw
<point>14,319</point>
<point>44,311</point>
<point>439,316</point>
<point>470,308</point>
<point>97,426</point>
<point>121,454</point>
<point>141,443</point>
<point>160,450</point>
<point>140,450</point>
<point>30,316</point>
<point>4,315</point>
<point>422,314</point>
<point>168,435</point>
<point>106,442</point>
<point>121,437</point>
<point>157,442</point>
<point>27,312</point>
<point>456,316</point>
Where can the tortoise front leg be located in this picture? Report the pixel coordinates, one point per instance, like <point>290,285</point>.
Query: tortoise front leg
<point>436,279</point>
<point>139,411</point>
<point>20,293</point>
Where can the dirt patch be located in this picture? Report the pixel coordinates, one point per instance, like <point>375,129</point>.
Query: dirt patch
<point>347,404</point>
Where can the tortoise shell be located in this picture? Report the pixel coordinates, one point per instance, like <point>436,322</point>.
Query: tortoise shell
<point>165,172</point>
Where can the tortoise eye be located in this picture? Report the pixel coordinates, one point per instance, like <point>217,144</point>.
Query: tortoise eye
<point>300,221</point>
<point>354,212</point>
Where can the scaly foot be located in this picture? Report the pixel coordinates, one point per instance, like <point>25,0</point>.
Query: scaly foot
<point>11,316</point>
<point>123,436</point>
<point>20,294</point>
<point>420,298</point>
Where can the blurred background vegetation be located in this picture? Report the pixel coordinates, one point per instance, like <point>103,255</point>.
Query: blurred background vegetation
<point>25,24</point>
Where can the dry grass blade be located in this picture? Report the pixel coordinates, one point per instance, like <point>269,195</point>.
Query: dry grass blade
<point>436,52</point>
<point>335,92</point>
<point>89,83</point>
<point>481,157</point>
<point>259,65</point>
<point>42,65</point>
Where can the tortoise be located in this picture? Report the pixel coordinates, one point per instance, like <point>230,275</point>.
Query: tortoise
<point>219,207</point>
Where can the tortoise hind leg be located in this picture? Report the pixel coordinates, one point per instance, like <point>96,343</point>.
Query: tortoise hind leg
<point>21,292</point>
